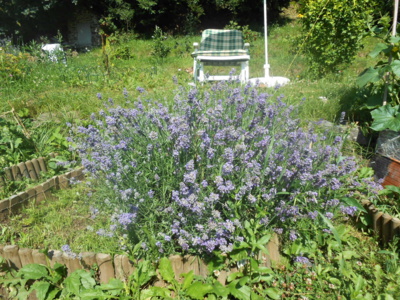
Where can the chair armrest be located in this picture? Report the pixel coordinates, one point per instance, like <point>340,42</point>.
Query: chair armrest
<point>246,47</point>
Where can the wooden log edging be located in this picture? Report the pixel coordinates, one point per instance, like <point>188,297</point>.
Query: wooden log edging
<point>13,204</point>
<point>120,266</point>
<point>385,226</point>
<point>31,169</point>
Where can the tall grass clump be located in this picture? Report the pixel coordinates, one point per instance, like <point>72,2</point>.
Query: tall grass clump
<point>190,178</point>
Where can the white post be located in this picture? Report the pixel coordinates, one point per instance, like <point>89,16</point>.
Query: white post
<point>266,66</point>
<point>395,13</point>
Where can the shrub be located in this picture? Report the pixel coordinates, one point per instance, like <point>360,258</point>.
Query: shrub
<point>332,31</point>
<point>13,66</point>
<point>160,49</point>
<point>189,178</point>
<point>249,36</point>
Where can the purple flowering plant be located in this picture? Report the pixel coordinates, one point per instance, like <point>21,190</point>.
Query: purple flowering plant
<point>187,177</point>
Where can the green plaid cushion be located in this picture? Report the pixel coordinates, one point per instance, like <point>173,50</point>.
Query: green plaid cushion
<point>216,42</point>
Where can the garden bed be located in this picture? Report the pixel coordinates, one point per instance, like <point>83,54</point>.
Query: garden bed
<point>13,204</point>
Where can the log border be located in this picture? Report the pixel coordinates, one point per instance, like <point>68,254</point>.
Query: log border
<point>385,227</point>
<point>14,203</point>
<point>120,266</point>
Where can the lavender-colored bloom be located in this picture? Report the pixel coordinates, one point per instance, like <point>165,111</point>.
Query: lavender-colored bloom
<point>332,202</point>
<point>101,232</point>
<point>190,177</point>
<point>210,153</point>
<point>153,135</point>
<point>293,235</point>
<point>228,187</point>
<point>337,140</point>
<point>312,215</point>
<point>302,260</point>
<point>126,218</point>
<point>335,184</point>
<point>190,165</point>
<point>66,248</point>
<point>348,210</point>
<point>252,199</point>
<point>228,154</point>
<point>329,215</point>
<point>140,89</point>
<point>227,168</point>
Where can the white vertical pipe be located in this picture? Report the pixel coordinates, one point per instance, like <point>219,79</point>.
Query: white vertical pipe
<point>395,14</point>
<point>266,66</point>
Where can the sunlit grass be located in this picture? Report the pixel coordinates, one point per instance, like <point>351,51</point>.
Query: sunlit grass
<point>65,219</point>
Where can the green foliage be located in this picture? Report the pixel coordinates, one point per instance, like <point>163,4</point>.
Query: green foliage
<point>388,201</point>
<point>46,282</point>
<point>338,265</point>
<point>332,32</point>
<point>380,84</point>
<point>386,73</point>
<point>249,36</point>
<point>160,47</point>
<point>120,41</point>
<point>21,140</point>
<point>386,117</point>
<point>13,66</point>
<point>45,17</point>
<point>15,145</point>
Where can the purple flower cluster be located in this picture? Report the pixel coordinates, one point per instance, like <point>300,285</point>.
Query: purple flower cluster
<point>68,251</point>
<point>196,172</point>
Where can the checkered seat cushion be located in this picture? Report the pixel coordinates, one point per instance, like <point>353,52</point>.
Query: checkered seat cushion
<point>215,42</point>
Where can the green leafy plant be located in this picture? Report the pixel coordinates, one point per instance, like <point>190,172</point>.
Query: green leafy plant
<point>381,85</point>
<point>331,42</point>
<point>160,47</point>
<point>15,142</point>
<point>249,36</point>
<point>46,282</point>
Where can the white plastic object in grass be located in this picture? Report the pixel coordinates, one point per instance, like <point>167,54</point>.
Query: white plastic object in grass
<point>267,80</point>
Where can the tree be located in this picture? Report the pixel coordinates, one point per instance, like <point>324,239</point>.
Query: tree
<point>31,18</point>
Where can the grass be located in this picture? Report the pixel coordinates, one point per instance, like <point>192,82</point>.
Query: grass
<point>65,93</point>
<point>44,225</point>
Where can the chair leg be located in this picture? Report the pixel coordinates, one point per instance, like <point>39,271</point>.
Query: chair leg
<point>195,70</point>
<point>201,72</point>
<point>244,74</point>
